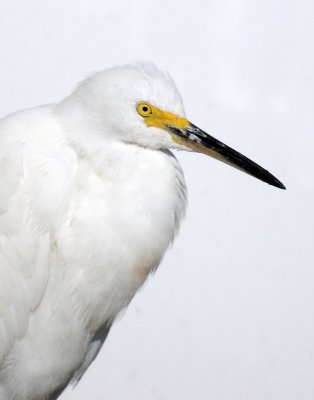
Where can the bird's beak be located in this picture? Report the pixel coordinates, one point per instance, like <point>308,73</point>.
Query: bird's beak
<point>185,133</point>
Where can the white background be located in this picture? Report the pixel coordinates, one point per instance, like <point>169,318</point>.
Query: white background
<point>230,313</point>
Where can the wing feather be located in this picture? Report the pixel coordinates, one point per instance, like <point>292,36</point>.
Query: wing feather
<point>34,193</point>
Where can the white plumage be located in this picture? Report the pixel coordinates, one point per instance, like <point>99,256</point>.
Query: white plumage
<point>90,199</point>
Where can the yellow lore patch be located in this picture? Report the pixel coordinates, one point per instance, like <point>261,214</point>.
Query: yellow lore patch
<point>154,117</point>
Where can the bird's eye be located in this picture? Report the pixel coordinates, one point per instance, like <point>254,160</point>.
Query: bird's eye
<point>144,109</point>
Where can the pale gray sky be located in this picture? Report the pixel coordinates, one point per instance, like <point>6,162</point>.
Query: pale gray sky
<point>229,314</point>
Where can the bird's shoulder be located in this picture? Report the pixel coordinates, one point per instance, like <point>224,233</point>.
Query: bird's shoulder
<point>35,161</point>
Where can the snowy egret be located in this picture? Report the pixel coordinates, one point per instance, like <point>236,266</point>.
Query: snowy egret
<point>90,199</point>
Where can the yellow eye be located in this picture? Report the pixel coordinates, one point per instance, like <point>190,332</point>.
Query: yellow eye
<point>144,109</point>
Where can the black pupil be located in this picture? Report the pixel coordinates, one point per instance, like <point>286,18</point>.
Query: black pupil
<point>145,108</point>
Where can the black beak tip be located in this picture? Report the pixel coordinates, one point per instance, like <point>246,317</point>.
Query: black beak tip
<point>281,186</point>
<point>275,182</point>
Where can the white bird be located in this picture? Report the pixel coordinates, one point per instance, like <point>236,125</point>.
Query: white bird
<point>90,199</point>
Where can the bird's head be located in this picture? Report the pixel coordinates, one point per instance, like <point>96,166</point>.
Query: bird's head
<point>139,104</point>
